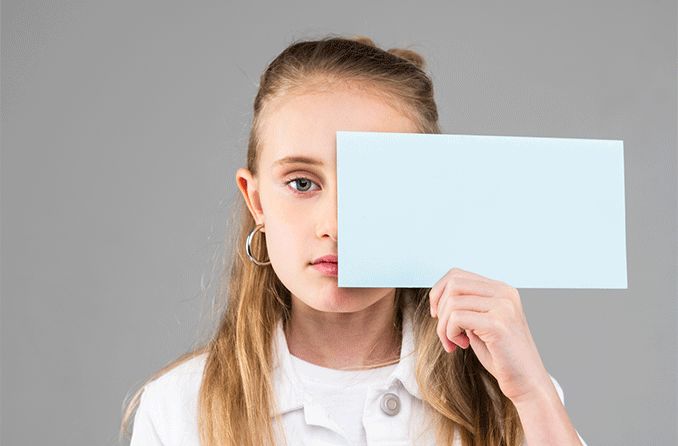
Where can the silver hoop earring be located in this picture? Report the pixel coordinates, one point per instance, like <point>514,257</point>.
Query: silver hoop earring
<point>248,246</point>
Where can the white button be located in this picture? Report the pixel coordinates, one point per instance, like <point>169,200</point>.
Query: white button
<point>390,404</point>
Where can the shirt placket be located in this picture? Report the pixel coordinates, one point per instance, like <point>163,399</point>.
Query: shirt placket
<point>316,415</point>
<point>387,415</point>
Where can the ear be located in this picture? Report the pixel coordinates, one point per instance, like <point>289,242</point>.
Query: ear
<point>248,186</point>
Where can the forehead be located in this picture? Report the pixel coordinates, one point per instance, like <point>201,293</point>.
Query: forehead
<point>305,124</point>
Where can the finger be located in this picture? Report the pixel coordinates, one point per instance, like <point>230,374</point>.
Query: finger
<point>435,293</point>
<point>473,275</point>
<point>470,302</point>
<point>462,320</point>
<point>446,309</point>
<point>460,339</point>
<point>448,345</point>
<point>440,331</point>
<point>457,285</point>
<point>443,315</point>
<point>438,287</point>
<point>446,312</point>
<point>448,304</point>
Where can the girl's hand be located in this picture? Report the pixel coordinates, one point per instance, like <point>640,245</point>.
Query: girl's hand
<point>487,315</point>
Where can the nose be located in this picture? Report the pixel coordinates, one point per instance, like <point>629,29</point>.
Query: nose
<point>327,216</point>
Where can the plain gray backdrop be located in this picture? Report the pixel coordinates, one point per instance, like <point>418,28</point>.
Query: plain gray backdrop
<point>123,123</point>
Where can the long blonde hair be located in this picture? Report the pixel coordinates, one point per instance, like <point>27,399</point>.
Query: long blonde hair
<point>236,394</point>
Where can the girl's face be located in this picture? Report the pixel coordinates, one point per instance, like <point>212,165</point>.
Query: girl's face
<point>300,215</point>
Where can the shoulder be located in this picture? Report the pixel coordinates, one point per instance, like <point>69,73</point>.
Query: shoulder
<point>559,389</point>
<point>168,404</point>
<point>178,386</point>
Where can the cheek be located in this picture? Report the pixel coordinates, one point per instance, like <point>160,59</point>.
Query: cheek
<point>289,258</point>
<point>289,231</point>
<point>284,242</point>
<point>289,238</point>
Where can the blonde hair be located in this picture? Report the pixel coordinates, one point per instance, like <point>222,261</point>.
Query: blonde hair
<point>236,395</point>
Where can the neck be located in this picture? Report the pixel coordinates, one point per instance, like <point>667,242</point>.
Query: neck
<point>344,340</point>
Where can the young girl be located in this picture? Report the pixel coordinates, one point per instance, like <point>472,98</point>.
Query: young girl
<point>298,360</point>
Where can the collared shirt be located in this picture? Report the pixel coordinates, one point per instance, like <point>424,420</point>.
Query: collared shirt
<point>394,412</point>
<point>342,393</point>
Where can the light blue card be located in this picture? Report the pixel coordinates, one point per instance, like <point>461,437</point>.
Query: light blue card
<point>531,212</point>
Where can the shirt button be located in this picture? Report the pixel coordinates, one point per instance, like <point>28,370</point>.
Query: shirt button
<point>390,404</point>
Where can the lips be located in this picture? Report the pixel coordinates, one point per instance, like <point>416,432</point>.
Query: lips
<point>330,258</point>
<point>327,268</point>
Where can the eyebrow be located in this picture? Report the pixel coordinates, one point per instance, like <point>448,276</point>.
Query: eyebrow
<point>298,160</point>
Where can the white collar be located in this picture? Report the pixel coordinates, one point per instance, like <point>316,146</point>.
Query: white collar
<point>287,385</point>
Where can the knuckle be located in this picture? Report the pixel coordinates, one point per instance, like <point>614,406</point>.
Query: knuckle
<point>504,328</point>
<point>512,292</point>
<point>451,323</point>
<point>515,294</point>
<point>451,305</point>
<point>506,305</point>
<point>440,329</point>
<point>450,330</point>
<point>442,305</point>
<point>499,326</point>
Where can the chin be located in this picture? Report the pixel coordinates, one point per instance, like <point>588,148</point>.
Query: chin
<point>330,301</point>
<point>342,302</point>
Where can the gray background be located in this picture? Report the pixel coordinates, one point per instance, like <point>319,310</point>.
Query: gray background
<point>124,122</point>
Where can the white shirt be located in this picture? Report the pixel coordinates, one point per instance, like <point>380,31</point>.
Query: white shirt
<point>341,394</point>
<point>313,413</point>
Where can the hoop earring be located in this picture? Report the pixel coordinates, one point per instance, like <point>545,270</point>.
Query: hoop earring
<point>248,246</point>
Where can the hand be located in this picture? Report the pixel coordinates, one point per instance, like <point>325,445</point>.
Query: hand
<point>488,315</point>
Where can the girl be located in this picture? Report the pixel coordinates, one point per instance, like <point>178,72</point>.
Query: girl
<point>297,360</point>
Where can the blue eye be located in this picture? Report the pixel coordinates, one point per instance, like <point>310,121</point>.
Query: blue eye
<point>302,182</point>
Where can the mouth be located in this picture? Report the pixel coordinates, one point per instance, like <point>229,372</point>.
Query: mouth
<point>328,259</point>
<point>327,268</point>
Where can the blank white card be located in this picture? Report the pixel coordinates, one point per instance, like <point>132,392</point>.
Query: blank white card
<point>532,212</point>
